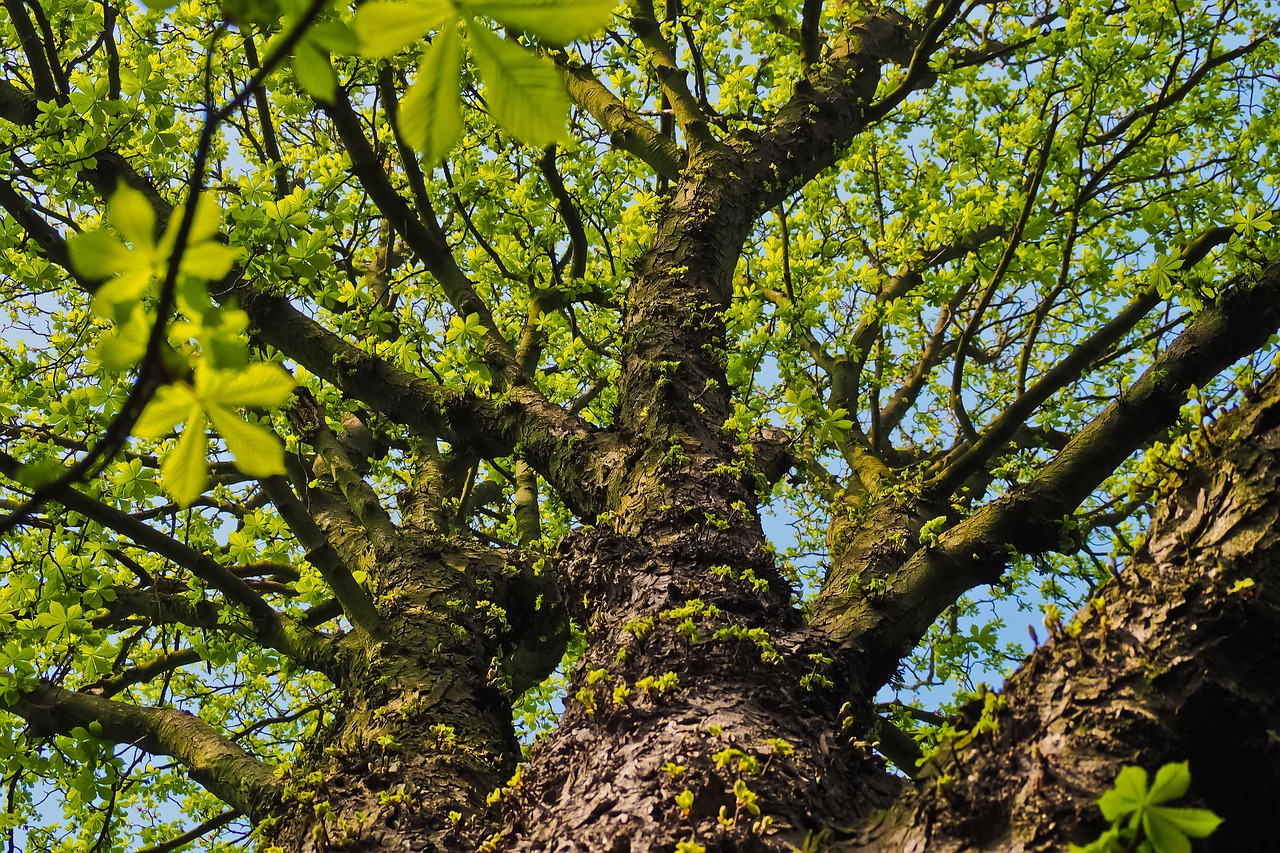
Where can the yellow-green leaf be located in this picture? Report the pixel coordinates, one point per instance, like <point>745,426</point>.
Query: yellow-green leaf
<point>97,254</point>
<point>258,452</point>
<point>185,471</point>
<point>131,214</point>
<point>259,384</point>
<point>127,343</point>
<point>1128,795</point>
<point>384,28</point>
<point>119,294</point>
<point>1196,823</point>
<point>314,71</point>
<point>171,405</point>
<point>557,21</point>
<point>524,93</point>
<point>209,260</point>
<point>1171,782</point>
<point>431,111</point>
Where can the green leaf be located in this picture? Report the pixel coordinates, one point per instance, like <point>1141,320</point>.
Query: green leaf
<point>127,343</point>
<point>122,292</point>
<point>1163,836</point>
<point>36,474</point>
<point>460,328</point>
<point>61,621</point>
<point>259,384</point>
<point>170,406</point>
<point>384,28</point>
<point>211,260</point>
<point>430,116</point>
<point>525,94</point>
<point>557,21</point>
<point>97,254</point>
<point>257,451</point>
<point>185,471</point>
<point>336,36</point>
<point>315,74</point>
<point>1196,823</point>
<point>131,214</point>
<point>1171,782</point>
<point>204,225</point>
<point>1128,795</point>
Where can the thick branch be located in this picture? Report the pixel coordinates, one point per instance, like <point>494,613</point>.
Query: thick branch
<point>627,130</point>
<point>812,130</point>
<point>226,770</point>
<point>998,433</point>
<point>356,602</point>
<point>1028,518</point>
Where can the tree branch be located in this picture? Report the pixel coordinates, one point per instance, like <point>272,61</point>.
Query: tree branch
<point>193,834</point>
<point>227,771</point>
<point>272,628</point>
<point>627,131</point>
<point>811,131</point>
<point>355,601</point>
<point>997,434</point>
<point>883,628</point>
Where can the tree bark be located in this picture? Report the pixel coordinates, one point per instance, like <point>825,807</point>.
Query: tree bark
<point>1174,660</point>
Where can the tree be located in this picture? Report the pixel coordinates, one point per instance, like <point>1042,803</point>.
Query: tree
<point>476,418</point>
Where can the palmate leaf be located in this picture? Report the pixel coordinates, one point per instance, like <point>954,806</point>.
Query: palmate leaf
<point>258,385</point>
<point>556,21</point>
<point>314,71</point>
<point>184,471</point>
<point>1194,823</point>
<point>1128,795</point>
<point>171,405</point>
<point>1171,782</point>
<point>430,116</point>
<point>97,254</point>
<point>130,213</point>
<point>524,93</point>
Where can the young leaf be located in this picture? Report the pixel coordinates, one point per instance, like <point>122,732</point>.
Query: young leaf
<point>130,213</point>
<point>170,406</point>
<point>259,384</point>
<point>97,254</point>
<point>1164,837</point>
<point>1195,823</point>
<point>1171,782</point>
<point>557,21</point>
<point>384,28</point>
<point>1128,795</point>
<point>185,472</point>
<point>524,92</point>
<point>258,453</point>
<point>314,71</point>
<point>430,115</point>
<point>40,472</point>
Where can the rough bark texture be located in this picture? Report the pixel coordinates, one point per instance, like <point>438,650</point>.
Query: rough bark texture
<point>1174,661</point>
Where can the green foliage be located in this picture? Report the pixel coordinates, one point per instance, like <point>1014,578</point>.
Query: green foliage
<point>1140,820</point>
<point>523,91</point>
<point>818,333</point>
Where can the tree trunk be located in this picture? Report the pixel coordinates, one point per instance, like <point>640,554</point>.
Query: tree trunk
<point>705,712</point>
